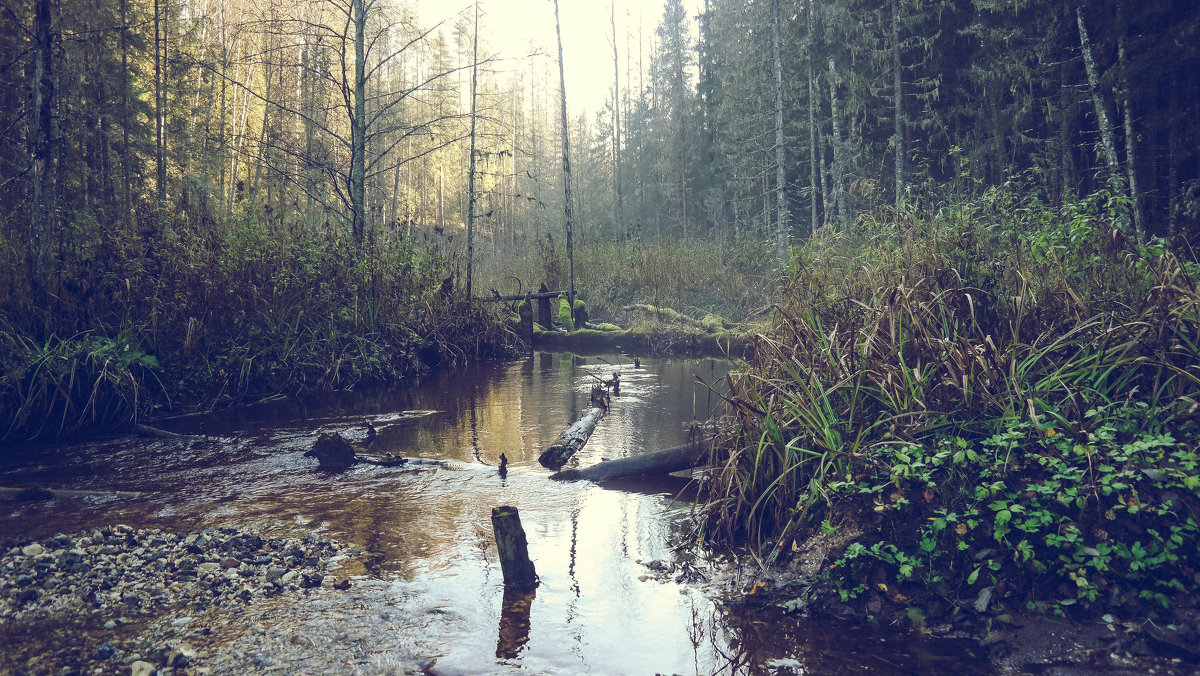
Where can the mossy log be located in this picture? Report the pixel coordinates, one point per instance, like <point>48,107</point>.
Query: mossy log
<point>660,462</point>
<point>664,313</point>
<point>573,439</point>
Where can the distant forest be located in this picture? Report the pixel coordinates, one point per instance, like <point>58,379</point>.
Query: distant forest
<point>133,132</point>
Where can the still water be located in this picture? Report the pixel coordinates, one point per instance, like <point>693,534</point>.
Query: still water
<point>615,596</point>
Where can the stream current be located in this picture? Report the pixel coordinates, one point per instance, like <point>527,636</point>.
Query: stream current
<point>615,596</point>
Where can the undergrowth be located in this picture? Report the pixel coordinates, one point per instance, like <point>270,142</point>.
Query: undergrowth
<point>1000,394</point>
<point>202,319</point>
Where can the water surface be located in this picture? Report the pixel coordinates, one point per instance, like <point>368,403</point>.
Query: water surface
<point>615,597</point>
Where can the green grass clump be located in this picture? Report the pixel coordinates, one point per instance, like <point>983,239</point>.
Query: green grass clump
<point>988,390</point>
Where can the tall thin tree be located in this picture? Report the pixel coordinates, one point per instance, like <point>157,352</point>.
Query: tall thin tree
<point>471,160</point>
<point>781,218</point>
<point>566,161</point>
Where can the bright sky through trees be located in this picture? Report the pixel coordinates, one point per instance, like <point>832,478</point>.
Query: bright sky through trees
<point>512,29</point>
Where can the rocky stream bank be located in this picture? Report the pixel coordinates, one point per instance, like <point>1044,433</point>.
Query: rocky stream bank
<point>141,601</point>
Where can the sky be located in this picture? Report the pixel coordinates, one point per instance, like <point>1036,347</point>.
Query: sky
<point>514,28</point>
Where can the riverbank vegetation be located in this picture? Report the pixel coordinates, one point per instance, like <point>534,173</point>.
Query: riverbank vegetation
<point>993,400</point>
<point>200,320</point>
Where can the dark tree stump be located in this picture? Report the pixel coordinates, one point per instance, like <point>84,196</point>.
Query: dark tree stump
<point>545,317</point>
<point>514,549</point>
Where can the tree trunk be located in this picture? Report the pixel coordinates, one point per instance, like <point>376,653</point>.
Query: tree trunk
<point>781,217</point>
<point>898,103</point>
<point>660,462</point>
<point>1109,146</point>
<point>566,161</point>
<point>839,160</point>
<point>814,180</point>
<point>358,126</point>
<point>127,201</point>
<point>619,206</point>
<point>471,159</point>
<point>160,105</point>
<point>41,152</point>
<point>1135,197</point>
<point>1173,186</point>
<point>518,570</point>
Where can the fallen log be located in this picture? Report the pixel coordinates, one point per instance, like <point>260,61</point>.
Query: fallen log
<point>570,441</point>
<point>665,313</point>
<point>148,431</point>
<point>660,462</point>
<point>537,295</point>
<point>333,452</point>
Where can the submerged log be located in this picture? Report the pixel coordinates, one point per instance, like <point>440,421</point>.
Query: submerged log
<point>333,452</point>
<point>518,570</point>
<point>38,493</point>
<point>148,431</point>
<point>660,462</point>
<point>570,441</point>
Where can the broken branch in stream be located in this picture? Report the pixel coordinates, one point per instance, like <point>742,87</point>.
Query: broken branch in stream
<point>571,440</point>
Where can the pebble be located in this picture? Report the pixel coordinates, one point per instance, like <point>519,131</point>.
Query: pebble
<point>120,570</point>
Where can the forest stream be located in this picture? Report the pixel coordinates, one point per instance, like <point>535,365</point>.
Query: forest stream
<point>425,589</point>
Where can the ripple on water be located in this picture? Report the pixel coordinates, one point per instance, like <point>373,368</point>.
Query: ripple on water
<point>433,586</point>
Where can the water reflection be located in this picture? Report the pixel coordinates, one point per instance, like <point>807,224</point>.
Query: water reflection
<point>608,602</point>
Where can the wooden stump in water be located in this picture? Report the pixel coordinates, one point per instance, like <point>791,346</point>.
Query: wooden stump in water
<point>545,315</point>
<point>514,549</point>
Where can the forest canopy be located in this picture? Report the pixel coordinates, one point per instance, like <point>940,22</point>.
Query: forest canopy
<point>179,177</point>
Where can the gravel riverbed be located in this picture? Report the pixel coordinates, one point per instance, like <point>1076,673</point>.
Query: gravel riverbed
<point>143,601</point>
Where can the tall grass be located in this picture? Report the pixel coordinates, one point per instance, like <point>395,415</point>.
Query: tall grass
<point>209,317</point>
<point>952,322</point>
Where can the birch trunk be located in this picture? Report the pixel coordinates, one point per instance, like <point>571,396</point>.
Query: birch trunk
<point>781,216</point>
<point>814,179</point>
<point>1135,197</point>
<point>471,160</point>
<point>1109,146</point>
<point>839,160</point>
<point>898,103</point>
